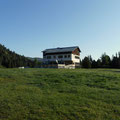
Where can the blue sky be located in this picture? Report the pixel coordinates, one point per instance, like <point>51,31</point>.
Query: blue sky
<point>30,26</point>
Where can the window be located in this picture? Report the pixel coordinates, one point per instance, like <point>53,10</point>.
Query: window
<point>54,57</point>
<point>60,56</point>
<point>48,57</point>
<point>77,57</point>
<point>68,56</point>
<point>65,56</point>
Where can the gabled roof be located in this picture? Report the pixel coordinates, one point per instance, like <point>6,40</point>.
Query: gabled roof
<point>61,49</point>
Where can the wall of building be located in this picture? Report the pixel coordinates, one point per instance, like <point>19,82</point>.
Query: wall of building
<point>63,57</point>
<point>72,66</point>
<point>75,58</point>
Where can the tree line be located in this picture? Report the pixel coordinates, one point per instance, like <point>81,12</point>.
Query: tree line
<point>10,59</point>
<point>103,62</point>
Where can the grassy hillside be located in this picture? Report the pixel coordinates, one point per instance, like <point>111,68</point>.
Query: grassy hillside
<point>59,94</point>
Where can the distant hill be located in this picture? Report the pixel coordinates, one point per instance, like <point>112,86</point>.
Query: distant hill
<point>11,59</point>
<point>36,58</point>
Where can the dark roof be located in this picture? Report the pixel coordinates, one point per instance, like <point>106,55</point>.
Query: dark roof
<point>61,49</point>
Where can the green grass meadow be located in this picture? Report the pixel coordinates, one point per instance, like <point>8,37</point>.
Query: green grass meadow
<point>59,94</point>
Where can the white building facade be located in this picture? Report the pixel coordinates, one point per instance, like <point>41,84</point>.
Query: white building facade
<point>66,56</point>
